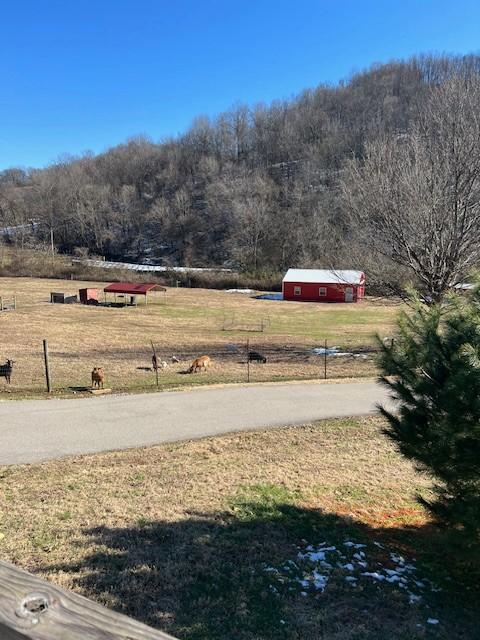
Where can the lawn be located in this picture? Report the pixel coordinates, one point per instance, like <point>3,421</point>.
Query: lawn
<point>306,532</point>
<point>193,322</point>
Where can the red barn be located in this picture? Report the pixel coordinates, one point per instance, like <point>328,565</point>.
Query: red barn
<point>323,285</point>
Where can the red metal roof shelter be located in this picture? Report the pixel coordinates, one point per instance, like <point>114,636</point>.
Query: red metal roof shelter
<point>130,289</point>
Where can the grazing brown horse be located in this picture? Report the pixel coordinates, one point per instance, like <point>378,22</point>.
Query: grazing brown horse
<point>200,363</point>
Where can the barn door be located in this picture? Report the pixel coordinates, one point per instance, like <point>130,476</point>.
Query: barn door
<point>348,294</point>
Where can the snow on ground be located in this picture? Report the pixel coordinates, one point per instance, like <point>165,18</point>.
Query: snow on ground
<point>239,291</point>
<point>310,572</point>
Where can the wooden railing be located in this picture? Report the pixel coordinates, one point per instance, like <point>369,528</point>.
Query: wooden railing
<point>32,609</point>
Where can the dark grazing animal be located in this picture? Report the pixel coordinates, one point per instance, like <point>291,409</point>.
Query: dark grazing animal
<point>6,370</point>
<point>254,356</point>
<point>98,377</point>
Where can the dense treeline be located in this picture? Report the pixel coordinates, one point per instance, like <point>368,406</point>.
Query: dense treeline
<point>255,188</point>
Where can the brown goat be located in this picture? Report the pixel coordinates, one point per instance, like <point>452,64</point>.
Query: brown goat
<point>200,363</point>
<point>98,377</point>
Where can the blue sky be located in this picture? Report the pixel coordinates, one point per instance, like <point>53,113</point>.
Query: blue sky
<point>85,75</point>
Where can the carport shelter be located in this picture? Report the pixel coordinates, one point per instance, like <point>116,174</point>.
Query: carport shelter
<point>125,289</point>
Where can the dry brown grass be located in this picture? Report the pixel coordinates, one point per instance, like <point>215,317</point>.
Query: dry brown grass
<point>338,465</point>
<point>177,535</point>
<point>190,324</point>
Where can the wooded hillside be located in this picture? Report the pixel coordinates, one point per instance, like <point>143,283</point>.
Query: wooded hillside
<point>256,188</point>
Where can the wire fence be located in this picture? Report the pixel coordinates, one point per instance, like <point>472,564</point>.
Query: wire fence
<point>250,359</point>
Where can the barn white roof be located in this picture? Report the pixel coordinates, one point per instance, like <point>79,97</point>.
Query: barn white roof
<point>324,276</point>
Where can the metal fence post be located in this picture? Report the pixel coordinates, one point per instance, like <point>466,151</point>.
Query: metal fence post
<point>47,365</point>
<point>248,360</point>
<point>156,362</point>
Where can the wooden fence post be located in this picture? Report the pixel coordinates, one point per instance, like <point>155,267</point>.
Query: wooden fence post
<point>47,365</point>
<point>248,360</point>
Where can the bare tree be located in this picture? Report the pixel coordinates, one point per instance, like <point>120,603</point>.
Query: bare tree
<point>416,196</point>
<point>252,220</point>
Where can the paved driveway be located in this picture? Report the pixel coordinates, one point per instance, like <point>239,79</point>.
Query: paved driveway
<point>37,430</point>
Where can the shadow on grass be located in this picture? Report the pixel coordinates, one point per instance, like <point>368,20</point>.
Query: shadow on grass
<point>207,577</point>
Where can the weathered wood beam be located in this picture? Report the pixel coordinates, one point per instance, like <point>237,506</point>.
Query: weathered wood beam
<point>32,609</point>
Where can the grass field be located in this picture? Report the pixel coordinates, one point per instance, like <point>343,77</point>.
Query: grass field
<point>249,536</point>
<point>193,322</point>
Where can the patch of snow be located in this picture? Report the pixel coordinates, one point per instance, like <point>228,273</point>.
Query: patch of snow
<point>354,545</point>
<point>314,556</point>
<point>320,581</point>
<point>394,578</point>
<point>315,565</point>
<point>374,574</point>
<point>323,548</point>
<point>397,559</point>
<point>331,351</point>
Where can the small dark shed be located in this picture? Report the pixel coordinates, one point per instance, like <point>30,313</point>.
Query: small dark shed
<point>62,298</point>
